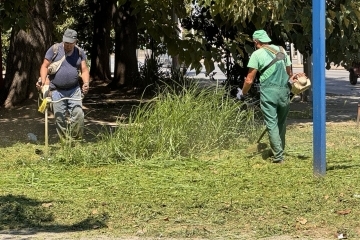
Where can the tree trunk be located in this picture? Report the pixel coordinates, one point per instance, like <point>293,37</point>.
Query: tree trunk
<point>26,54</point>
<point>126,66</point>
<point>1,65</point>
<point>175,59</point>
<point>100,64</point>
<point>308,71</point>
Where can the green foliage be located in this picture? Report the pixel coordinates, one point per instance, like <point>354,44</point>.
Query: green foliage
<point>5,44</point>
<point>176,80</point>
<point>162,15</point>
<point>157,73</point>
<point>284,21</point>
<point>343,36</point>
<point>69,17</point>
<point>151,73</point>
<point>15,13</point>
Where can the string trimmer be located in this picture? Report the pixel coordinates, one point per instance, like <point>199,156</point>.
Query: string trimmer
<point>43,108</point>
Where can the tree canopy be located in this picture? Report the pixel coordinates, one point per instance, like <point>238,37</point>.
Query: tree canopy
<point>287,20</point>
<point>284,20</point>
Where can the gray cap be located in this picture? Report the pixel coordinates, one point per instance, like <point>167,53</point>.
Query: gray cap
<point>70,36</point>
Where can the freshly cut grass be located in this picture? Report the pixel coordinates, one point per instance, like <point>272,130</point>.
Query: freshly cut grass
<point>228,194</point>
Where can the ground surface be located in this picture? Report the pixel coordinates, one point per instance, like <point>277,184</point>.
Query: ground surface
<point>102,109</point>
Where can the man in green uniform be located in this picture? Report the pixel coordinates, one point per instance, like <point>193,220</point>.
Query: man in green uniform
<point>274,90</point>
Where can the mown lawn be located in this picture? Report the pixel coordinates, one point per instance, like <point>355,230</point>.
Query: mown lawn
<point>227,193</point>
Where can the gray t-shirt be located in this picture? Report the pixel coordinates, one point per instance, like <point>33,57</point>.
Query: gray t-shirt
<point>67,76</point>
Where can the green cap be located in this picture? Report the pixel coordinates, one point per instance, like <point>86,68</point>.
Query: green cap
<point>262,36</point>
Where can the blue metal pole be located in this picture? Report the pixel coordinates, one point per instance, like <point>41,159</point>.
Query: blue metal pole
<point>319,94</point>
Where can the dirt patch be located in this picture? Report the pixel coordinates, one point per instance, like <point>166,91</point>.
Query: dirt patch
<point>102,109</point>
<point>317,234</point>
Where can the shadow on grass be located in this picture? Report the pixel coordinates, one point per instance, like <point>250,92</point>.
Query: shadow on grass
<point>100,115</point>
<point>20,212</point>
<point>341,167</point>
<point>302,157</point>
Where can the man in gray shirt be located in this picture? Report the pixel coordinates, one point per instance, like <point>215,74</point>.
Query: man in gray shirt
<point>64,83</point>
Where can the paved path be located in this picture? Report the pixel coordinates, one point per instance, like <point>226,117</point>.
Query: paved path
<point>341,97</point>
<point>337,80</point>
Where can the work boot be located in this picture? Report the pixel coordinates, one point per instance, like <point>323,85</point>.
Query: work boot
<point>278,161</point>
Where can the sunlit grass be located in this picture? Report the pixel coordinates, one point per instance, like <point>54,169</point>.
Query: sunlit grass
<point>202,183</point>
<point>174,125</point>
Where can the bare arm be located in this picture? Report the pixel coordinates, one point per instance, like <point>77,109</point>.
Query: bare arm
<point>249,80</point>
<point>85,72</point>
<point>44,72</point>
<point>288,71</point>
<point>85,75</point>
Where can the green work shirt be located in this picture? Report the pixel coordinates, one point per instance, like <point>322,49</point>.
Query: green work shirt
<point>261,58</point>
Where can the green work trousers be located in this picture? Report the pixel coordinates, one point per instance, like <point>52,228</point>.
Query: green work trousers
<point>275,104</point>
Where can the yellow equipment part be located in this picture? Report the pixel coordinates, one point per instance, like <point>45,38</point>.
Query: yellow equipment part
<point>43,106</point>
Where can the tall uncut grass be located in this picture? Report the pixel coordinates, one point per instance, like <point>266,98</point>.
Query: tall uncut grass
<point>177,123</point>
